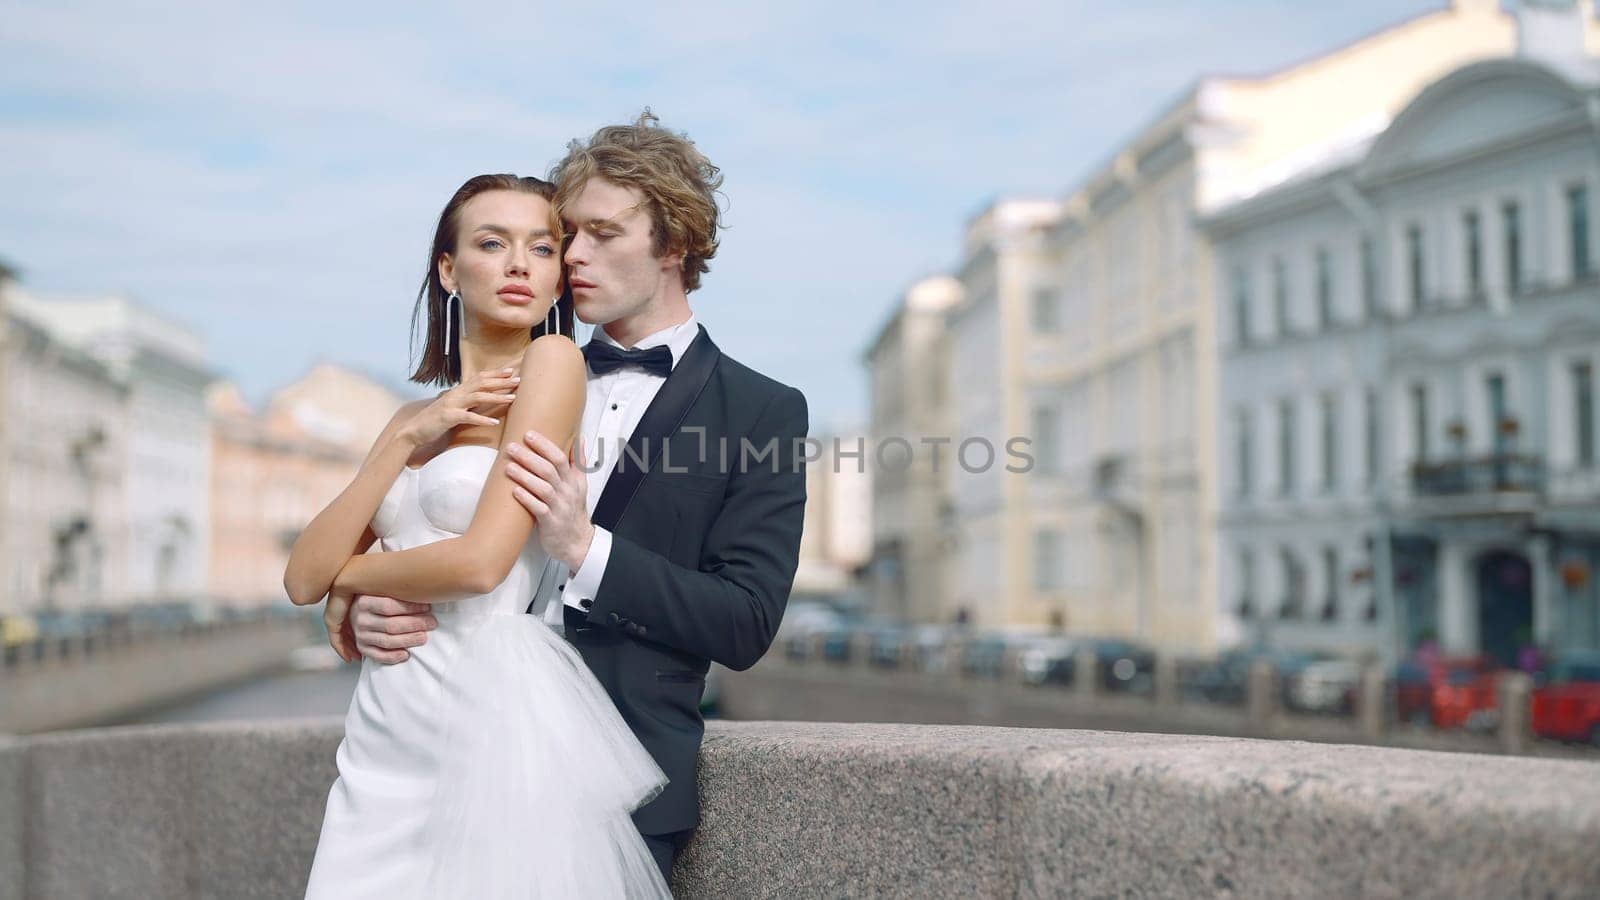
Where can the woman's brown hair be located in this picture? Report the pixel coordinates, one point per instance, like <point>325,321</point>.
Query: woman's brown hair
<point>435,367</point>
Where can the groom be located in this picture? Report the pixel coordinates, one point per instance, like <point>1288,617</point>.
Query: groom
<point>680,543</point>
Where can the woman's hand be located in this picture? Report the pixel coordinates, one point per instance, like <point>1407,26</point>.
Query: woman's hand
<point>336,618</point>
<point>463,404</point>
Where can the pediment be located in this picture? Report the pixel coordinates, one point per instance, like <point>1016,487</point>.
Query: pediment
<point>1475,107</point>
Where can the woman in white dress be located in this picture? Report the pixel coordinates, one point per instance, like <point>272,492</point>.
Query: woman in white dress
<point>491,763</point>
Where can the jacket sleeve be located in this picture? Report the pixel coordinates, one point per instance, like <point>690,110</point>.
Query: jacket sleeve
<point>729,609</point>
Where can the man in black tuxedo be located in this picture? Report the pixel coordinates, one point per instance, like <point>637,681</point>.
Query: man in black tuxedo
<point>677,517</point>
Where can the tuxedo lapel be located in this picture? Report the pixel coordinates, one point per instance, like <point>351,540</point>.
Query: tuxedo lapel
<point>660,420</point>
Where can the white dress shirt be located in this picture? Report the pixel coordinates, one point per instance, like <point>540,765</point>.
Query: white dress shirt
<point>615,403</point>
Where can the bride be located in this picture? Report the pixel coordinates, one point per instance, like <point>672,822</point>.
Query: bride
<point>491,763</point>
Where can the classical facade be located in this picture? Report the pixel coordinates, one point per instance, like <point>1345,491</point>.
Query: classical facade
<point>276,468</point>
<point>913,513</point>
<point>163,434</point>
<point>1095,329</point>
<point>1008,263</point>
<point>66,517</point>
<point>1410,335</point>
<point>836,540</point>
<point>107,452</point>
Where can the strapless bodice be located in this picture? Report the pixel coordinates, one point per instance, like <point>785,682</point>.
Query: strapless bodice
<point>436,501</point>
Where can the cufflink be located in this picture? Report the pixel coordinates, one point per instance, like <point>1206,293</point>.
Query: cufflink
<point>586,603</point>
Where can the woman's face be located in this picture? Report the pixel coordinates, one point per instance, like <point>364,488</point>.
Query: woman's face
<point>507,264</point>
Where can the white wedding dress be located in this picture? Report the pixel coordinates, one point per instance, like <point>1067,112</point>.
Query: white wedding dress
<point>491,764</point>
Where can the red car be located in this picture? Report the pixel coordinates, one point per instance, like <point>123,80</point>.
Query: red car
<point>1567,706</point>
<point>1449,692</point>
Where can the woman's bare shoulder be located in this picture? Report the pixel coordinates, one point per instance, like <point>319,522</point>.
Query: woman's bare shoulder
<point>553,356</point>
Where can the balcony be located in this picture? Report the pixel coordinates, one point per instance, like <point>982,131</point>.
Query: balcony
<point>1499,484</point>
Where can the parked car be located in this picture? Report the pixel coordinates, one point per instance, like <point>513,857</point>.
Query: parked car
<point>801,620</point>
<point>1324,686</point>
<point>17,629</point>
<point>1227,679</point>
<point>983,656</point>
<point>1448,692</point>
<point>929,644</point>
<point>887,645</point>
<point>1048,660</point>
<point>1123,665</point>
<point>1566,706</point>
<point>838,642</point>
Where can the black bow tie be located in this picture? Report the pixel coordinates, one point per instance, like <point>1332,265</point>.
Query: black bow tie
<point>604,357</point>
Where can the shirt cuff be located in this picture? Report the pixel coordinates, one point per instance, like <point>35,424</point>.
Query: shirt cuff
<point>583,584</point>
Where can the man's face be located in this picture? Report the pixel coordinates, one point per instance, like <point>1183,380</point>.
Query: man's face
<point>613,270</point>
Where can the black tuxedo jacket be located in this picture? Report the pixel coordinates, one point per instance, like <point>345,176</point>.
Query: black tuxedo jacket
<point>706,541</point>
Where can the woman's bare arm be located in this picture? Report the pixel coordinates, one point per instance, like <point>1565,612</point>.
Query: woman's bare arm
<point>342,529</point>
<point>551,403</point>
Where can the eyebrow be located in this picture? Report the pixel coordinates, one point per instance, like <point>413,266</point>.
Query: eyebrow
<point>506,232</point>
<point>614,221</point>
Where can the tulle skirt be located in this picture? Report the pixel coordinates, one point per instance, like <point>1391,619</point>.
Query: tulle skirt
<point>535,777</point>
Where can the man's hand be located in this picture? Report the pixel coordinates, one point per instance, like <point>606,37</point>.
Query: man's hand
<point>383,628</point>
<point>555,490</point>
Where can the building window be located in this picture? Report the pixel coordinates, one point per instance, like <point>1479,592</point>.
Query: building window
<point>1583,417</point>
<point>1324,288</point>
<point>1247,582</point>
<point>1048,569</point>
<point>1046,311</point>
<point>1419,421</point>
<point>1330,441</point>
<point>1294,585</point>
<point>1472,231</point>
<point>1414,263</point>
<point>1280,297</point>
<point>1370,401</point>
<point>1245,438</point>
<point>1241,306</point>
<point>1578,230</point>
<point>1046,442</point>
<point>1330,572</point>
<point>1511,219</point>
<point>1494,387</point>
<point>1286,426</point>
<point>1369,279</point>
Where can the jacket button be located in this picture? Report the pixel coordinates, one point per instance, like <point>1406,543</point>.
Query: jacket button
<point>640,630</point>
<point>614,619</point>
<point>586,603</point>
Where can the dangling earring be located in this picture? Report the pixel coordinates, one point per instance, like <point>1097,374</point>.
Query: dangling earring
<point>450,304</point>
<point>555,327</point>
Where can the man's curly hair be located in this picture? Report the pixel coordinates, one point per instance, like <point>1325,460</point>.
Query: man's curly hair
<point>678,183</point>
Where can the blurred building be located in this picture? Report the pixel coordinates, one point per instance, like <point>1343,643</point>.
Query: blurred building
<point>276,468</point>
<point>1094,324</point>
<point>8,277</point>
<point>913,514</point>
<point>1008,265</point>
<point>162,432</point>
<point>106,458</point>
<point>836,540</point>
<point>1409,339</point>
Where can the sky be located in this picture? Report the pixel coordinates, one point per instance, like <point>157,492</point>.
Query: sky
<point>269,174</point>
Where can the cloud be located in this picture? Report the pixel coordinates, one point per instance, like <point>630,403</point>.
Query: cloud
<point>270,173</point>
